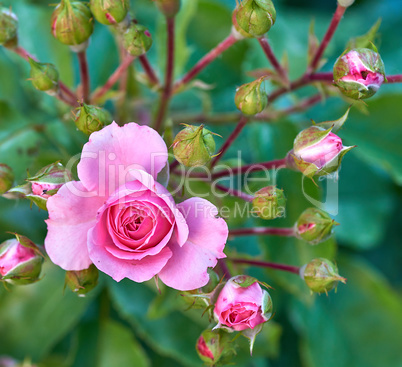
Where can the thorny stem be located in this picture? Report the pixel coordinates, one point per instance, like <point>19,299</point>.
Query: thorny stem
<point>236,193</point>
<point>205,61</point>
<point>272,58</point>
<point>84,74</point>
<point>148,69</point>
<point>167,89</point>
<point>114,77</point>
<point>266,264</point>
<point>286,232</point>
<point>340,10</point>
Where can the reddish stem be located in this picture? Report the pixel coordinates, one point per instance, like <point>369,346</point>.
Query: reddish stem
<point>224,269</point>
<point>322,77</point>
<point>394,78</point>
<point>84,73</point>
<point>148,69</point>
<point>23,53</point>
<point>286,232</point>
<point>114,77</point>
<point>232,137</point>
<point>236,193</point>
<point>68,91</point>
<point>167,89</point>
<point>206,60</point>
<point>272,58</point>
<point>266,264</point>
<point>340,10</point>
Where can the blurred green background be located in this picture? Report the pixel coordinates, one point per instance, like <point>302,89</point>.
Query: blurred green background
<point>128,324</point>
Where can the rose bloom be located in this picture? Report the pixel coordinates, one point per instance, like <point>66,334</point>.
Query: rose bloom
<point>119,218</point>
<point>240,308</point>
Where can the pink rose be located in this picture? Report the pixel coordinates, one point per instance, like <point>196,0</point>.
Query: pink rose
<point>242,304</point>
<point>127,224</point>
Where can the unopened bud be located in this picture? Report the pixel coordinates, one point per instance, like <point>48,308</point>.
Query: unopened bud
<point>345,3</point>
<point>269,203</point>
<point>8,28</point>
<point>20,261</point>
<point>250,98</point>
<point>194,146</point>
<point>255,17</point>
<point>44,77</point>
<point>109,12</point>
<point>6,178</point>
<point>72,22</point>
<point>89,119</point>
<point>321,275</point>
<point>169,8</point>
<point>314,226</point>
<point>137,40</point>
<point>82,281</point>
<point>359,73</point>
<point>214,345</point>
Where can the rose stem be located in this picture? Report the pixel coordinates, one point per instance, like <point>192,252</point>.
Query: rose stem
<point>114,77</point>
<point>84,74</point>
<point>235,133</point>
<point>236,193</point>
<point>173,165</point>
<point>167,89</point>
<point>340,10</point>
<point>272,58</point>
<point>148,69</point>
<point>206,60</point>
<point>286,232</point>
<point>266,264</point>
<point>224,269</point>
<point>394,78</point>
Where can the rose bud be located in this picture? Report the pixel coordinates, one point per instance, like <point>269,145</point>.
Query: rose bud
<point>72,22</point>
<point>345,3</point>
<point>255,17</point>
<point>109,12</point>
<point>250,99</point>
<point>359,73</point>
<point>82,281</point>
<point>214,345</point>
<point>89,119</point>
<point>137,40</point>
<point>8,28</point>
<point>169,8</point>
<point>269,203</point>
<point>194,146</point>
<point>44,77</point>
<point>321,275</point>
<point>317,152</point>
<point>20,261</point>
<point>314,226</point>
<point>6,178</point>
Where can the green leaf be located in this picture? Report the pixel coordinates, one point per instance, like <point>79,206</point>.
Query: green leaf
<point>365,40</point>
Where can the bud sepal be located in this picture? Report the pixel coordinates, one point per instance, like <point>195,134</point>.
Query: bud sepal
<point>89,118</point>
<point>269,203</point>
<point>250,98</point>
<point>82,281</point>
<point>109,12</point>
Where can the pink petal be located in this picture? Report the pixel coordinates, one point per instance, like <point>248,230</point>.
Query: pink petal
<point>113,151</point>
<point>72,212</point>
<point>187,269</point>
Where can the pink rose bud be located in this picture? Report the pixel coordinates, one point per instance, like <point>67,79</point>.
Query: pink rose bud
<point>20,261</point>
<point>317,152</point>
<point>359,73</point>
<point>213,346</point>
<point>6,178</point>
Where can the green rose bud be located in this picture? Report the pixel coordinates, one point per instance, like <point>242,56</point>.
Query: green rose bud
<point>194,146</point>
<point>109,12</point>
<point>137,40</point>
<point>214,346</point>
<point>314,226</point>
<point>89,119</point>
<point>72,22</point>
<point>82,281</point>
<point>44,77</point>
<point>321,275</point>
<point>169,8</point>
<point>269,203</point>
<point>8,28</point>
<point>359,73</point>
<point>255,17</point>
<point>250,99</point>
<point>6,178</point>
<point>20,261</point>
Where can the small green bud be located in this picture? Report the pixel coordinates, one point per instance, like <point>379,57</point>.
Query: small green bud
<point>44,77</point>
<point>314,226</point>
<point>194,146</point>
<point>250,99</point>
<point>109,12</point>
<point>213,346</point>
<point>269,203</point>
<point>6,178</point>
<point>8,28</point>
<point>20,261</point>
<point>359,73</point>
<point>82,281</point>
<point>256,17</point>
<point>72,22</point>
<point>89,119</point>
<point>321,275</point>
<point>137,40</point>
<point>169,8</point>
